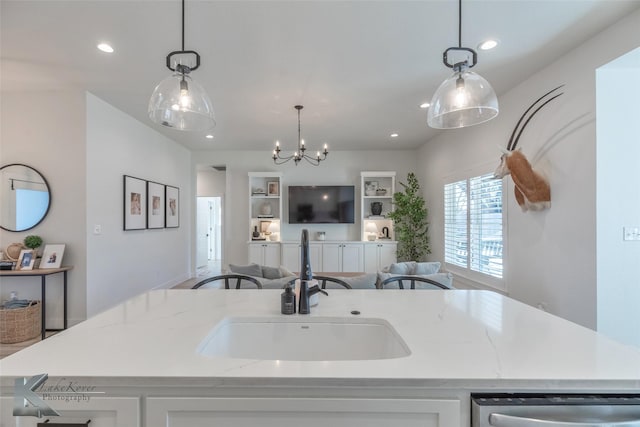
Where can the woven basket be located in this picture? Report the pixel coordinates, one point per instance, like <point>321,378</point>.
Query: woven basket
<point>20,324</point>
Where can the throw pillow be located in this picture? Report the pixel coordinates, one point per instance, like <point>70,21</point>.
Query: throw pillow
<point>426,268</point>
<point>271,272</point>
<point>402,267</point>
<point>249,270</point>
<point>284,271</point>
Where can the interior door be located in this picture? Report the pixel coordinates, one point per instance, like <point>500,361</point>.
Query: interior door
<point>202,231</point>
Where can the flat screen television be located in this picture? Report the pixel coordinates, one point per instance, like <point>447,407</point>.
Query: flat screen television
<point>321,204</point>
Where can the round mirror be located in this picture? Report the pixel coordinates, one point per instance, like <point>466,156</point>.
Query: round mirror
<point>24,197</point>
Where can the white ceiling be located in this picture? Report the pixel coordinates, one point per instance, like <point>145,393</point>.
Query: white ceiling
<point>360,68</point>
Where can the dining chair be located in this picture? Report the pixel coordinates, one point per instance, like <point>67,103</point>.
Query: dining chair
<point>322,280</point>
<point>432,284</point>
<point>240,278</point>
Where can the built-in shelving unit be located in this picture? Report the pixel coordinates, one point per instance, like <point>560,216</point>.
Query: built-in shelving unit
<point>265,205</point>
<point>376,187</point>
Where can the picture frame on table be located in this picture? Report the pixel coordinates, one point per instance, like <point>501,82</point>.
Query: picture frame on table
<point>134,203</point>
<point>273,189</point>
<point>172,200</point>
<point>52,256</point>
<point>26,260</point>
<point>155,205</point>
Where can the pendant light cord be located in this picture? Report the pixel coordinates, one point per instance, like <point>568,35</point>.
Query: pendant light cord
<point>459,23</point>
<point>183,25</point>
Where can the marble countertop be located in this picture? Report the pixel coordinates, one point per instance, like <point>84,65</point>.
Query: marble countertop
<point>453,335</point>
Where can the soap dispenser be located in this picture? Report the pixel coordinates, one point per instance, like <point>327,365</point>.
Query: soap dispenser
<point>288,301</point>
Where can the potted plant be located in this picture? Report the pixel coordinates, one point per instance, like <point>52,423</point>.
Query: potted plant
<point>410,221</point>
<point>33,242</point>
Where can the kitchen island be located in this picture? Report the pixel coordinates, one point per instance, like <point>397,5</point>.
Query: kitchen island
<point>142,361</point>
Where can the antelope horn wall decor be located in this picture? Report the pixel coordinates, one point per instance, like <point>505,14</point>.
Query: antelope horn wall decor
<point>532,190</point>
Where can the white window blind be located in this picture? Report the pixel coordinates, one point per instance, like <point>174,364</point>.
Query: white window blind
<point>473,224</point>
<point>455,223</point>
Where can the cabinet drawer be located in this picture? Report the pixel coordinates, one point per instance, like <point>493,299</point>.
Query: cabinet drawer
<point>250,412</point>
<point>102,411</point>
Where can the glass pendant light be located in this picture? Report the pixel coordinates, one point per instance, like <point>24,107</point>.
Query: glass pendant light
<point>178,101</point>
<point>465,98</point>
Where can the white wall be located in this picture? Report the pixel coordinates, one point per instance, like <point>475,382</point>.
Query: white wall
<point>211,183</point>
<point>121,264</point>
<point>46,130</point>
<point>551,255</point>
<point>618,198</point>
<point>341,168</point>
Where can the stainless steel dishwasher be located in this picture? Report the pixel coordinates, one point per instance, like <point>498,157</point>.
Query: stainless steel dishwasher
<point>555,410</point>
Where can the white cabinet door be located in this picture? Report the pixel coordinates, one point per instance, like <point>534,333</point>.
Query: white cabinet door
<point>352,257</point>
<point>331,257</point>
<point>342,257</point>
<point>296,412</point>
<point>255,253</point>
<point>265,254</point>
<point>102,411</point>
<point>291,256</point>
<point>271,255</point>
<point>387,254</point>
<point>378,255</point>
<point>371,255</point>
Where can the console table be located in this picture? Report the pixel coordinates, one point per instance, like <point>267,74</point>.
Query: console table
<point>43,273</point>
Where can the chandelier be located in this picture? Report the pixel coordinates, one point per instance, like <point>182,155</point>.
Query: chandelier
<point>300,154</point>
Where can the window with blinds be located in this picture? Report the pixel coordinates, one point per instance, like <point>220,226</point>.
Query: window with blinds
<point>473,224</point>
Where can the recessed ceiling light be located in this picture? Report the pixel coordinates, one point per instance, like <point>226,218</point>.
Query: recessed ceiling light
<point>488,44</point>
<point>209,136</point>
<point>425,105</point>
<point>105,47</point>
<point>394,135</point>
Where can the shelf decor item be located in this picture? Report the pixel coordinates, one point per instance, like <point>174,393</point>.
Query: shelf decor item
<point>265,209</point>
<point>376,208</point>
<point>20,324</point>
<point>33,242</point>
<point>52,256</point>
<point>27,260</point>
<point>370,188</point>
<point>273,188</point>
<point>372,229</point>
<point>12,252</point>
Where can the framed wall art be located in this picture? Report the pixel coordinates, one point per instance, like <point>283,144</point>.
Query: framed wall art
<point>52,256</point>
<point>172,200</point>
<point>135,203</point>
<point>155,205</point>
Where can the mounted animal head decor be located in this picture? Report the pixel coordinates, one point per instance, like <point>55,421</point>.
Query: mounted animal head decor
<point>532,190</point>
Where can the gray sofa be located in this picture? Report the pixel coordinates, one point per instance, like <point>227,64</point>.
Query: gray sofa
<point>277,277</point>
